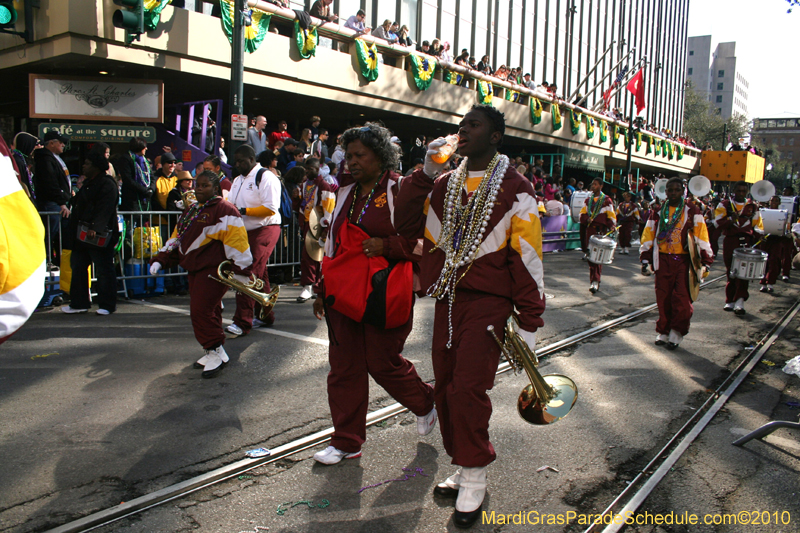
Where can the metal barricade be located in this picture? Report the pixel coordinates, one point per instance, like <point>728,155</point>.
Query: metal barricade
<point>142,234</point>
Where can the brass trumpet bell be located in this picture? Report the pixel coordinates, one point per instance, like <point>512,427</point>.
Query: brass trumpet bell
<point>250,290</point>
<point>546,399</point>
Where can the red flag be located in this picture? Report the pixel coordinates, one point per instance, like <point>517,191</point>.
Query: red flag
<point>636,86</point>
<point>607,96</point>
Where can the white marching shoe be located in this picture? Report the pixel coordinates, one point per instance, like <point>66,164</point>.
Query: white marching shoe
<point>216,359</point>
<point>738,307</point>
<point>305,295</point>
<point>332,455</point>
<point>675,339</point>
<point>471,492</point>
<point>425,424</point>
<point>594,287</point>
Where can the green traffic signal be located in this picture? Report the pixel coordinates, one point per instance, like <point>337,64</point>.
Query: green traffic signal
<point>131,20</point>
<point>8,15</point>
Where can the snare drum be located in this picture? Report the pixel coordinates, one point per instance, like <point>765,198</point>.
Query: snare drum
<point>576,203</point>
<point>775,221</point>
<point>748,264</point>
<point>601,250</point>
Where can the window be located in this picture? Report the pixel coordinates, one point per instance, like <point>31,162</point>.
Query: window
<point>690,71</point>
<point>783,141</point>
<point>791,155</point>
<point>719,99</point>
<point>781,123</point>
<point>719,86</point>
<point>791,123</point>
<point>691,52</point>
<point>791,141</point>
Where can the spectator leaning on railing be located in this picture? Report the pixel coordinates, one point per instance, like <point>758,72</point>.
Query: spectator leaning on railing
<point>356,22</point>
<point>322,10</point>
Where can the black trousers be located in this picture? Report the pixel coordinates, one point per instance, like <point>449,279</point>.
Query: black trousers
<point>83,256</point>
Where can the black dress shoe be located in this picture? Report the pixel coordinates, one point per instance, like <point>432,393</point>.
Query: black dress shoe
<point>465,520</point>
<point>672,345</point>
<point>659,342</point>
<point>211,373</point>
<point>739,311</point>
<point>197,366</point>
<point>445,491</point>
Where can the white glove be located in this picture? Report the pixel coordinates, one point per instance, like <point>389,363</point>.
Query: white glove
<point>321,242</point>
<point>529,337</point>
<point>154,268</point>
<point>179,204</point>
<point>431,168</point>
<point>242,279</point>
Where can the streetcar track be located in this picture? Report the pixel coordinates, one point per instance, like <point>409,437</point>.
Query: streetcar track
<point>181,489</point>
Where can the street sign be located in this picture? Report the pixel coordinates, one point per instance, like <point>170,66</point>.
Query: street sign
<point>239,127</point>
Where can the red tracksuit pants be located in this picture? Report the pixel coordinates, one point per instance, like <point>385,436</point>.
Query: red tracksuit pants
<point>714,233</point>
<point>465,372</point>
<point>205,309</point>
<point>672,294</point>
<point>262,241</point>
<point>595,269</point>
<point>625,232</point>
<point>735,288</point>
<point>775,250</point>
<point>356,352</point>
<point>310,270</point>
<point>787,246</point>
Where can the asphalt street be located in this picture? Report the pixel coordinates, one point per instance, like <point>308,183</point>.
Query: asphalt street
<point>99,410</point>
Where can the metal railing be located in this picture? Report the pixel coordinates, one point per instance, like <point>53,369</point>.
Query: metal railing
<point>136,247</point>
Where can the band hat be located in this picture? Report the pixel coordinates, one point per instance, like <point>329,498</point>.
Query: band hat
<point>184,175</point>
<point>53,134</point>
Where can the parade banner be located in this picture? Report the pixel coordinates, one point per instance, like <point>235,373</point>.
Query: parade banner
<point>152,12</point>
<point>536,110</point>
<point>638,136</point>
<point>603,131</point>
<point>679,150</point>
<point>615,135</point>
<point>74,98</point>
<point>306,40</point>
<point>254,33</point>
<point>649,148</point>
<point>512,96</point>
<point>590,127</point>
<point>556,113</point>
<point>575,117</point>
<point>423,70</point>
<point>367,59</point>
<point>107,133</point>
<point>670,149</point>
<point>485,93</point>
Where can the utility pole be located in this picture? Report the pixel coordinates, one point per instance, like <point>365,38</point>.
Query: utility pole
<point>724,136</point>
<point>236,96</point>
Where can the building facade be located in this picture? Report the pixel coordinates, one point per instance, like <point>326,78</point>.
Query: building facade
<point>781,134</point>
<point>718,76</point>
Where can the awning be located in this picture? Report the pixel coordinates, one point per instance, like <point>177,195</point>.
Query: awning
<point>584,160</point>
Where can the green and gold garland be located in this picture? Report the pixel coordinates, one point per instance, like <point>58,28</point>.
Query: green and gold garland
<point>590,127</point>
<point>603,131</point>
<point>649,148</point>
<point>306,40</point>
<point>657,146</point>
<point>253,34</point>
<point>423,70</point>
<point>485,92</point>
<point>638,137</point>
<point>536,110</point>
<point>367,59</point>
<point>575,121</point>
<point>670,149</point>
<point>664,148</point>
<point>615,136</point>
<point>152,12</point>
<point>555,111</point>
<point>679,150</point>
<point>512,96</point>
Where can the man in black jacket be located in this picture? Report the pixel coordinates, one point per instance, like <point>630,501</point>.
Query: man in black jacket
<point>53,188</point>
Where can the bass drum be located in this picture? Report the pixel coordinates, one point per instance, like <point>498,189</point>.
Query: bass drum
<point>601,250</point>
<point>576,203</point>
<point>776,221</point>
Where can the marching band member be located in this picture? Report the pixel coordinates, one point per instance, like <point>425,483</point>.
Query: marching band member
<point>256,193</point>
<point>597,217</point>
<point>714,233</point>
<point>628,216</point>
<point>664,246</point>
<point>774,246</point>
<point>207,234</point>
<point>316,191</point>
<point>481,259</point>
<point>738,217</point>
<point>363,235</point>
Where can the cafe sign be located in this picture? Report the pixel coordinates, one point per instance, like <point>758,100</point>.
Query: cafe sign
<point>74,98</point>
<point>585,160</point>
<point>107,133</point>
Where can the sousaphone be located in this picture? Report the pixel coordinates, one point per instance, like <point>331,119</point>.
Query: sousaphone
<point>315,230</point>
<point>699,186</point>
<point>762,191</point>
<point>660,189</point>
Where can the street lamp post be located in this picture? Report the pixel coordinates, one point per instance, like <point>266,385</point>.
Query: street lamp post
<point>236,97</point>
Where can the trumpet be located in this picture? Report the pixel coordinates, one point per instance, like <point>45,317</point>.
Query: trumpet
<point>251,289</point>
<point>188,198</point>
<point>546,399</point>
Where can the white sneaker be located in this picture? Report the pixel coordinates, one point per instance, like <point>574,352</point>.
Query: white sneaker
<point>784,278</point>
<point>661,339</point>
<point>728,307</point>
<point>71,311</point>
<point>675,337</point>
<point>234,330</point>
<point>217,359</point>
<point>258,324</point>
<point>203,361</point>
<point>472,489</point>
<point>103,312</point>
<point>738,307</point>
<point>305,295</point>
<point>425,424</point>
<point>594,287</point>
<point>331,455</point>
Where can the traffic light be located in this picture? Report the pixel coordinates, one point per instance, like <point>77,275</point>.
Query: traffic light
<point>131,19</point>
<point>8,14</point>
